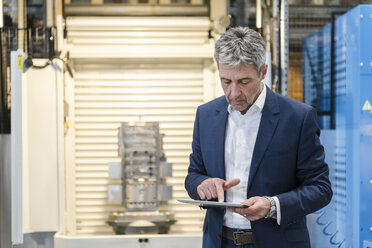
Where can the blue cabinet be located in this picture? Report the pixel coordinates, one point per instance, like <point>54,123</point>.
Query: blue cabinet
<point>346,79</point>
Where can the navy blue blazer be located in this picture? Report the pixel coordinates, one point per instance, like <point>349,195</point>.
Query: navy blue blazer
<point>288,162</point>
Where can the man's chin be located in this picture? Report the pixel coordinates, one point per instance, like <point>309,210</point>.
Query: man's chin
<point>239,108</point>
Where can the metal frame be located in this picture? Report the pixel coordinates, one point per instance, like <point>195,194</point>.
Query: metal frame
<point>276,45</point>
<point>16,146</point>
<point>280,45</point>
<point>134,10</point>
<point>284,47</point>
<point>193,28</point>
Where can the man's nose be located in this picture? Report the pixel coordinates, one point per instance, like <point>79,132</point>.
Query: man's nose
<point>235,90</point>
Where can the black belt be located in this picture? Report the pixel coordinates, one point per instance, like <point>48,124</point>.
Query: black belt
<point>239,238</point>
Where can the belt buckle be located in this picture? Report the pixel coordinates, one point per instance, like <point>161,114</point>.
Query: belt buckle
<point>235,238</point>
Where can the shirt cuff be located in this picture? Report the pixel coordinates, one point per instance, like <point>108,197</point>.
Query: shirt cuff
<point>278,214</point>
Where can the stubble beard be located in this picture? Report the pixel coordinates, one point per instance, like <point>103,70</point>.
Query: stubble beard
<point>246,104</point>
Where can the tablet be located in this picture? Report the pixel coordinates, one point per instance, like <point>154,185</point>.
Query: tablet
<point>214,204</point>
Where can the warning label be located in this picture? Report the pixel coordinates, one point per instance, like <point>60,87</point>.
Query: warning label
<point>367,106</point>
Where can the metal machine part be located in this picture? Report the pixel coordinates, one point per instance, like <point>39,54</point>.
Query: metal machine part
<point>141,222</point>
<point>143,172</point>
<point>140,148</point>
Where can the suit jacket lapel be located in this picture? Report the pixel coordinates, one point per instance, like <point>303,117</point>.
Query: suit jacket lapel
<point>269,121</point>
<point>219,129</point>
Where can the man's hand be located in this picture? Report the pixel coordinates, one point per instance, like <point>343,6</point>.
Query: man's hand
<point>258,208</point>
<point>212,188</point>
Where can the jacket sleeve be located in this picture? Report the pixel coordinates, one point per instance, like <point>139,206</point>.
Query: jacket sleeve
<point>314,191</point>
<point>196,171</point>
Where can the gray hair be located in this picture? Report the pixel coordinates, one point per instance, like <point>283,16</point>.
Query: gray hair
<point>241,45</point>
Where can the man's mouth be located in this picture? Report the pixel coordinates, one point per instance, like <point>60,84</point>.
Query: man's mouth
<point>237,102</point>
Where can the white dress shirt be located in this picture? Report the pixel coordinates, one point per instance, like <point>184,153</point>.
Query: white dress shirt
<point>241,134</point>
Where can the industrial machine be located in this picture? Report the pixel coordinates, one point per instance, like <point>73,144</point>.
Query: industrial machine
<point>337,74</point>
<point>143,171</point>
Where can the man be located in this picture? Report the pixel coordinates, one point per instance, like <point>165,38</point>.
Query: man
<point>259,148</point>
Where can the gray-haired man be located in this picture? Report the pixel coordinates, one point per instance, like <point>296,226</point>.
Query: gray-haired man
<point>259,148</point>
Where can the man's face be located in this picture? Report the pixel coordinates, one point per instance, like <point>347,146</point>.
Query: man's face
<point>241,84</point>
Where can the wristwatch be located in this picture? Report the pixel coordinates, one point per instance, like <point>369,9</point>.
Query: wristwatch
<point>272,211</point>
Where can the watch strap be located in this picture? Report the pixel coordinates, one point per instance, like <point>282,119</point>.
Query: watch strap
<point>272,211</point>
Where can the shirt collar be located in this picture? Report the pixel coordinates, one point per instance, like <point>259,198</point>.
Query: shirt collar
<point>259,103</point>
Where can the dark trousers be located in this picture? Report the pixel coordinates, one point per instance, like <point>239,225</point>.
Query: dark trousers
<point>226,243</point>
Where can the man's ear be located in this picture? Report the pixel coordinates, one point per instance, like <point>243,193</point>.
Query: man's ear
<point>263,71</point>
